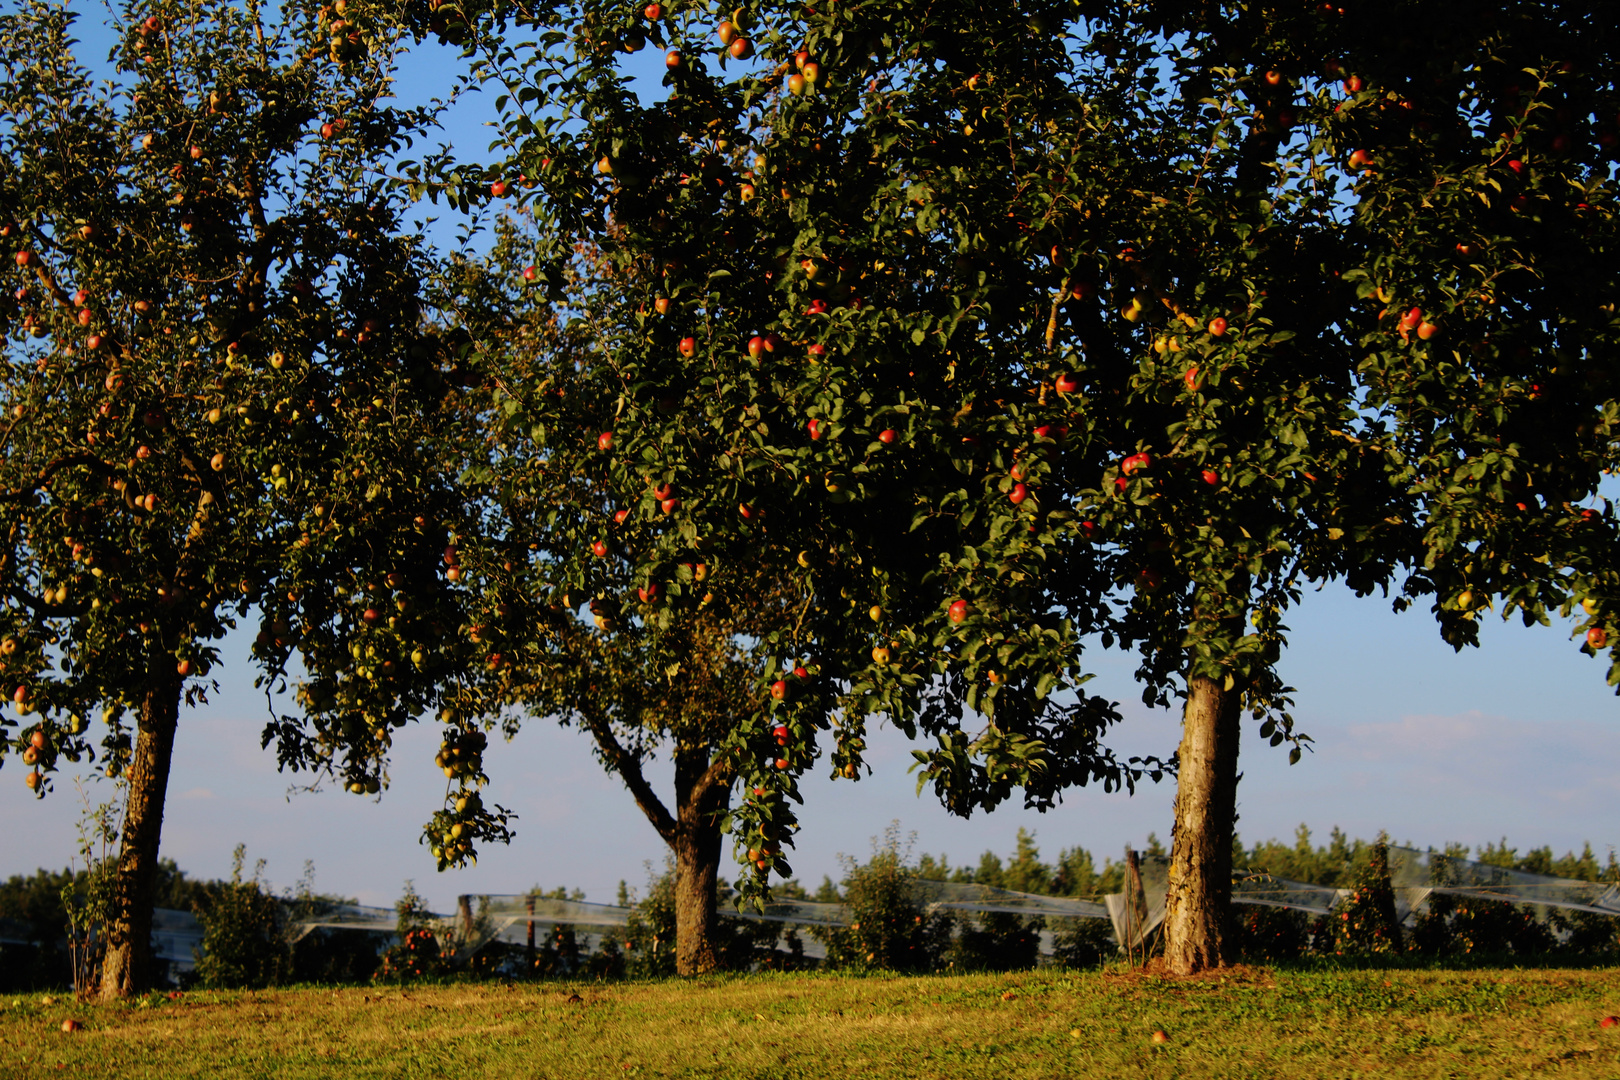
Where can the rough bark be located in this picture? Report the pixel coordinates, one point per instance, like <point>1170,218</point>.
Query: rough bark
<point>1200,888</point>
<point>126,969</point>
<point>702,793</point>
<point>701,797</point>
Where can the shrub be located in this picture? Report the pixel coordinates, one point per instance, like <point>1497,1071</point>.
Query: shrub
<point>888,928</point>
<point>995,941</point>
<point>1364,922</point>
<point>1082,943</point>
<point>418,952</point>
<point>243,941</point>
<point>1463,925</point>
<point>1269,933</point>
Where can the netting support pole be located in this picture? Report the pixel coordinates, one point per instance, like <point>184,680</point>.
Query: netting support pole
<point>530,938</point>
<point>1133,889</point>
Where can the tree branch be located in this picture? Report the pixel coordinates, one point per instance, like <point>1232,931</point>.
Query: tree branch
<point>628,766</point>
<point>45,474</point>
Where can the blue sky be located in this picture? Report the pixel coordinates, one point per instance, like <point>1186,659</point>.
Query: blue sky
<point>1514,739</point>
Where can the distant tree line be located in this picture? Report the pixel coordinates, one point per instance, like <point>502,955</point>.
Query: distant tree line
<point>247,942</point>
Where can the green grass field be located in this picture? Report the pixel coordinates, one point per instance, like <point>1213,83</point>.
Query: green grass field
<point>1319,1023</point>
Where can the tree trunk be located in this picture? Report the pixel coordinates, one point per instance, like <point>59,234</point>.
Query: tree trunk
<point>701,798</point>
<point>1200,887</point>
<point>126,969</point>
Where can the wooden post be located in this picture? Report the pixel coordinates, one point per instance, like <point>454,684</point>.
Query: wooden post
<point>530,953</point>
<point>1130,907</point>
<point>1136,893</point>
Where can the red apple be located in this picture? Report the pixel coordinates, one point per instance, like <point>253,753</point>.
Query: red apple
<point>688,346</point>
<point>800,671</point>
<point>371,616</point>
<point>498,188</point>
<point>20,695</point>
<point>672,59</point>
<point>653,12</point>
<point>648,593</point>
<point>1360,159</point>
<point>1274,78</point>
<point>1411,319</point>
<point>726,32</point>
<point>662,492</point>
<point>756,345</point>
<point>888,436</point>
<point>1067,384</point>
<point>818,353</point>
<point>781,763</point>
<point>619,516</point>
<point>669,506</point>
<point>1018,494</point>
<point>779,690</point>
<point>1212,478</point>
<point>1427,330</point>
<point>796,85</point>
<point>1217,327</point>
<point>1597,637</point>
<point>1135,462</point>
<point>183,668</point>
<point>748,512</point>
<point>661,305</point>
<point>741,49</point>
<point>599,549</point>
<point>957,611</point>
<point>1194,383</point>
<point>1353,84</point>
<point>25,258</point>
<point>530,273</point>
<point>816,429</point>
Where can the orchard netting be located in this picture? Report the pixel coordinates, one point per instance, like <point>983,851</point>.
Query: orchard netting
<point>1136,913</point>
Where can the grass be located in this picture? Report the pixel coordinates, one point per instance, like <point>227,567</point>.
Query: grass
<point>1307,1022</point>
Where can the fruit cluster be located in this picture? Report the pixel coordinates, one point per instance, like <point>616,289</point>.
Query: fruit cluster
<point>461,753</point>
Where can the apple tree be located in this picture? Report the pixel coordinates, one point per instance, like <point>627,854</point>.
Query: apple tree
<point>1358,295</point>
<point>768,356</point>
<point>220,404</point>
